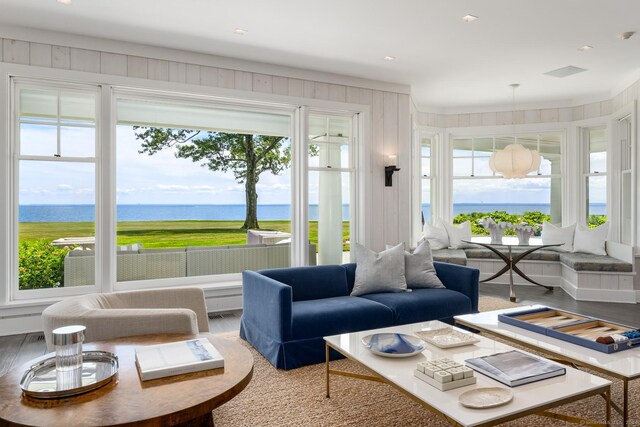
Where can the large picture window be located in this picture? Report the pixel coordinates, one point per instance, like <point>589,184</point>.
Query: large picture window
<point>55,138</point>
<point>201,190</point>
<point>478,192</point>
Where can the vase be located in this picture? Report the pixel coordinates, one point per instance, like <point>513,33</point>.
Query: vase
<point>496,233</point>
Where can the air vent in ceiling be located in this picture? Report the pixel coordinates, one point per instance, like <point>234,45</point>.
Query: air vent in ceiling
<point>565,71</point>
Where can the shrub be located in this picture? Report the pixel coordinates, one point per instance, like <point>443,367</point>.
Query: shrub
<point>40,265</point>
<point>596,220</point>
<point>534,219</point>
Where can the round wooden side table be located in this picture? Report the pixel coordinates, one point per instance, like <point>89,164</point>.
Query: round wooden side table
<point>179,400</point>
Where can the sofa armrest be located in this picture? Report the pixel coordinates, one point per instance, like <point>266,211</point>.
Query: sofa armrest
<point>461,279</point>
<point>267,304</point>
<point>188,298</point>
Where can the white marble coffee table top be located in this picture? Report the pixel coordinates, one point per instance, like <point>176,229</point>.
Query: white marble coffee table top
<point>399,371</point>
<point>625,363</point>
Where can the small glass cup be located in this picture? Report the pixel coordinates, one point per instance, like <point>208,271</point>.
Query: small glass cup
<point>68,342</point>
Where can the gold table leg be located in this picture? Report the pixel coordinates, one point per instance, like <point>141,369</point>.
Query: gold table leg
<point>326,346</point>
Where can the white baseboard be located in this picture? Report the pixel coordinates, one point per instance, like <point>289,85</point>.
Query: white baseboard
<point>600,295</point>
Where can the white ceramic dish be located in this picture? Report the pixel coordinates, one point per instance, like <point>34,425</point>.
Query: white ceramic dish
<point>393,344</point>
<point>486,397</point>
<point>447,337</point>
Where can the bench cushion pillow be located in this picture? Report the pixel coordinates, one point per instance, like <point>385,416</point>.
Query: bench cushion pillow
<point>379,272</point>
<point>436,235</point>
<point>591,240</point>
<point>458,233</point>
<point>552,234</point>
<point>423,304</point>
<point>338,315</point>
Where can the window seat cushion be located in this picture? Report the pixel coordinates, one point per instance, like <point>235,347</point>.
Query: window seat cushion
<point>452,256</point>
<point>588,262</point>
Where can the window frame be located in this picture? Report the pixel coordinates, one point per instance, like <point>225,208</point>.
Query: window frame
<point>585,171</point>
<point>497,132</point>
<point>15,84</point>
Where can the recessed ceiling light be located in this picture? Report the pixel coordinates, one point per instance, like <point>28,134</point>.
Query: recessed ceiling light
<point>238,31</point>
<point>469,18</point>
<point>64,1</point>
<point>389,58</point>
<point>585,48</point>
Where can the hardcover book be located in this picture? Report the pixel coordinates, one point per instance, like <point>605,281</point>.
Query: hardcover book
<point>182,357</point>
<point>515,368</point>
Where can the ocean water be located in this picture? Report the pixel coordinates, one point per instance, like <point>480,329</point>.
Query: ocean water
<point>83,213</point>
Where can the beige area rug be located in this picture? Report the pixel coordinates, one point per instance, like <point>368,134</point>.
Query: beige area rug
<point>297,398</point>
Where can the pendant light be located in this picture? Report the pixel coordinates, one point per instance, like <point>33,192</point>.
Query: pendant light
<point>515,160</point>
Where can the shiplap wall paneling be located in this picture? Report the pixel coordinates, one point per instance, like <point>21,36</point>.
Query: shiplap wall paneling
<point>61,57</point>
<point>138,67</point>
<point>40,55</point>
<point>377,173</point>
<point>85,60</point>
<point>390,147</point>
<point>113,63</point>
<point>177,72</point>
<point>403,177</point>
<point>16,51</point>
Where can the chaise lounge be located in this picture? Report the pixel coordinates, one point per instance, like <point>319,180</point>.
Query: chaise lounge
<point>288,311</point>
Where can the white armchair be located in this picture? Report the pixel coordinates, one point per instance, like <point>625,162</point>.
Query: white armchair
<point>122,314</point>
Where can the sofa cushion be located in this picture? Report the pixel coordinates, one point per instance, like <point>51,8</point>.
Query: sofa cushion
<point>379,271</point>
<point>589,262</point>
<point>313,282</point>
<point>421,305</point>
<point>337,315</point>
<point>452,256</point>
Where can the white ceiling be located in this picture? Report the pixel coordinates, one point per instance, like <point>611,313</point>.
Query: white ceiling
<point>450,65</point>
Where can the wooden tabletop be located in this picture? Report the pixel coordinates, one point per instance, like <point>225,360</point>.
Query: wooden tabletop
<point>176,400</point>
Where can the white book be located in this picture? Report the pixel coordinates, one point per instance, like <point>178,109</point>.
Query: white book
<point>182,357</point>
<point>515,368</point>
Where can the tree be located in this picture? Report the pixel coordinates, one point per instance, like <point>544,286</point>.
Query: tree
<point>246,156</point>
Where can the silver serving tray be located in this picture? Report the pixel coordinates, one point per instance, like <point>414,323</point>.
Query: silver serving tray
<point>42,381</point>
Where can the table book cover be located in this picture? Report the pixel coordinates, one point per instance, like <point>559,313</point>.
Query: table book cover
<point>515,368</point>
<point>182,357</point>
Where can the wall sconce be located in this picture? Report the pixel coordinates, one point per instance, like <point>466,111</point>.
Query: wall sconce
<point>390,169</point>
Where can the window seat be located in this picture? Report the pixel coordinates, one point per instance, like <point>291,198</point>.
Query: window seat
<point>585,277</point>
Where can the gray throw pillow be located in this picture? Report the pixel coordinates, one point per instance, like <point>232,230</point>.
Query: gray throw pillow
<point>379,272</point>
<point>419,270</point>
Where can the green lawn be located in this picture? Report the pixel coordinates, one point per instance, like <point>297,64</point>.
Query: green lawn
<point>165,234</point>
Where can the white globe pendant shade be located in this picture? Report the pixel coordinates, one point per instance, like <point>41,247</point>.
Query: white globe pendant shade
<point>515,161</point>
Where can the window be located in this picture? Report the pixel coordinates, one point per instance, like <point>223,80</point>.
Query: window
<point>55,140</point>
<point>627,199</point>
<point>595,176</point>
<point>330,174</point>
<point>426,178</point>
<point>478,192</point>
<point>202,189</point>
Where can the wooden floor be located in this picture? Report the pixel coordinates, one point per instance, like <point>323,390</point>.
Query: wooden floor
<point>18,349</point>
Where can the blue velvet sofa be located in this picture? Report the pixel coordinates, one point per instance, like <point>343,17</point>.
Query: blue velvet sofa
<point>288,311</point>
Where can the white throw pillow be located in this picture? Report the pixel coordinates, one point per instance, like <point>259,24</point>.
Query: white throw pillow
<point>379,272</point>
<point>436,235</point>
<point>591,240</point>
<point>458,233</point>
<point>552,234</point>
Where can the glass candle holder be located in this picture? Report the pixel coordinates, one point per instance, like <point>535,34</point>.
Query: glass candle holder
<point>68,343</point>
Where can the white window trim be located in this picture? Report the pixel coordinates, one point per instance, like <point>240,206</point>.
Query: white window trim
<point>417,179</point>
<point>568,179</point>
<point>106,270</point>
<point>14,294</point>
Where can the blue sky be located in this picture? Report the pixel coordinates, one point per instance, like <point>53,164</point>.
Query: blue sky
<point>163,179</point>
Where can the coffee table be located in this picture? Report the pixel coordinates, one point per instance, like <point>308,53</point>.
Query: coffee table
<point>533,398</point>
<point>624,365</point>
<point>182,399</point>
